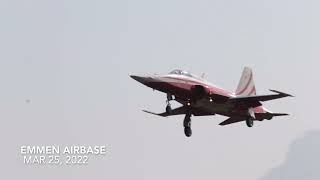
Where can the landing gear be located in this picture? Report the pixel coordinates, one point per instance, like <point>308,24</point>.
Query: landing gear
<point>187,125</point>
<point>187,131</point>
<point>249,122</point>
<point>168,108</point>
<point>187,118</point>
<point>251,117</point>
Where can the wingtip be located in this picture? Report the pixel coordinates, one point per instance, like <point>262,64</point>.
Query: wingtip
<point>279,92</point>
<point>149,112</point>
<point>280,114</point>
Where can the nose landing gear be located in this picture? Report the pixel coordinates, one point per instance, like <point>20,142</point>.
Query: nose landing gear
<point>187,118</point>
<point>168,107</point>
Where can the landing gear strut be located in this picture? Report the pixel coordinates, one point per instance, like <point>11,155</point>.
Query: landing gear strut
<point>250,118</point>
<point>168,108</point>
<point>187,125</point>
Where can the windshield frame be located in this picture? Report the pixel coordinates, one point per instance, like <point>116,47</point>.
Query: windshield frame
<point>183,73</point>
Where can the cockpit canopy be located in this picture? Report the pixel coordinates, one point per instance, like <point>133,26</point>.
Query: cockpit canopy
<point>181,72</point>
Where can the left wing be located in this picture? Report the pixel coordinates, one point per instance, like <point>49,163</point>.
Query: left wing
<point>254,101</point>
<point>177,111</point>
<point>182,110</point>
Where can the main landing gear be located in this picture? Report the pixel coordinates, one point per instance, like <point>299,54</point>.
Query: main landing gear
<point>187,125</point>
<point>168,107</point>
<point>249,122</point>
<point>250,118</point>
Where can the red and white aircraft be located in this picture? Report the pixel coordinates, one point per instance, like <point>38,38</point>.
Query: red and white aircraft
<point>200,98</point>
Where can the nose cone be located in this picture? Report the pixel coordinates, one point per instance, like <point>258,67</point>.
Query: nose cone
<point>141,79</point>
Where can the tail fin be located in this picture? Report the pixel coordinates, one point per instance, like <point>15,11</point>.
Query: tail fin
<point>246,85</point>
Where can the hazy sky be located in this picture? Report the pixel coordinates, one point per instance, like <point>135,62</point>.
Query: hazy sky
<point>72,59</point>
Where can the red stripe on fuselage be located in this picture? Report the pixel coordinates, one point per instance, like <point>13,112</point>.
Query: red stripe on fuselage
<point>213,89</point>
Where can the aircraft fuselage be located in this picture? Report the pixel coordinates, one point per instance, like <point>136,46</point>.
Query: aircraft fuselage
<point>182,88</point>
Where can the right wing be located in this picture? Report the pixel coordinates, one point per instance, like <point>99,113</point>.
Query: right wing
<point>254,101</point>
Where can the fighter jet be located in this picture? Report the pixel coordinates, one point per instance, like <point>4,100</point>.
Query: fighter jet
<point>198,97</point>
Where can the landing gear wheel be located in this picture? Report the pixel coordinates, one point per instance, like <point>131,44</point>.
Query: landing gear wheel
<point>249,122</point>
<point>187,131</point>
<point>187,121</point>
<point>187,125</point>
<point>168,109</point>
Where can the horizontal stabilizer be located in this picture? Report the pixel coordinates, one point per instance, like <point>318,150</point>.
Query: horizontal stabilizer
<point>280,114</point>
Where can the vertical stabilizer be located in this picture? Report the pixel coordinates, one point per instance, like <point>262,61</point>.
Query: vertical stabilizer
<point>246,85</point>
